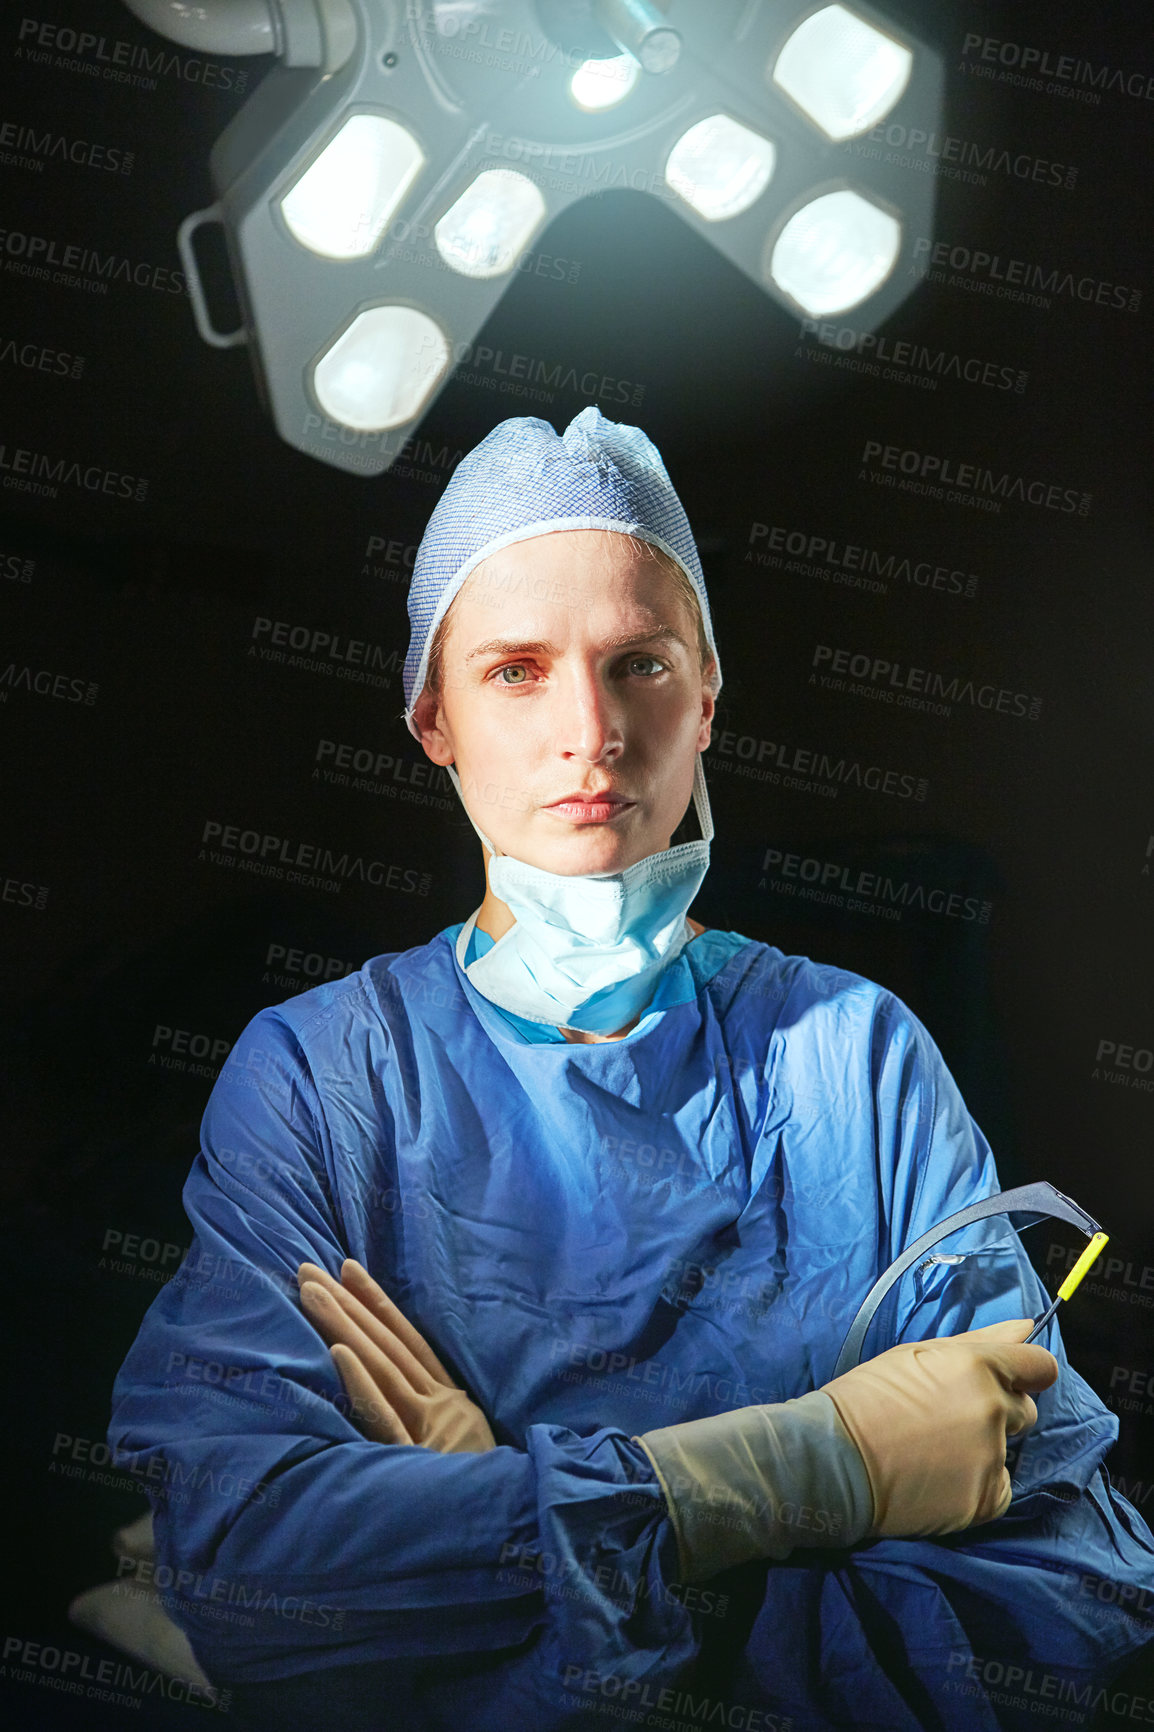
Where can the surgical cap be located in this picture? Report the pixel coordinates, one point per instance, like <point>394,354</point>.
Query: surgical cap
<point>525,479</point>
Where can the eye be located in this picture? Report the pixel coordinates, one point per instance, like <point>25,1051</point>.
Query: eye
<point>636,663</point>
<point>512,668</point>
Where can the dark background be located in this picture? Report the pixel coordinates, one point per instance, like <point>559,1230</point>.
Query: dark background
<point>114,929</point>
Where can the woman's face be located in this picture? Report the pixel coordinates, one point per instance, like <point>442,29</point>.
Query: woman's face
<point>572,702</point>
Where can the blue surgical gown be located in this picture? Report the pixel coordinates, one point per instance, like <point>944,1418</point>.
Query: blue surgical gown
<point>600,1240</point>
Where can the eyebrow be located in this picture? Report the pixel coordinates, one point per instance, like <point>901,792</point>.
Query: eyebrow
<point>541,646</point>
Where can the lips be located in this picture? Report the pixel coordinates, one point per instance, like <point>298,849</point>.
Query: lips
<point>585,808</point>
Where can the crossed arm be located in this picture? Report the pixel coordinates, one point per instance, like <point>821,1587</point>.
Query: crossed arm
<point>927,1421</point>
<point>268,1487</point>
<point>973,1391</point>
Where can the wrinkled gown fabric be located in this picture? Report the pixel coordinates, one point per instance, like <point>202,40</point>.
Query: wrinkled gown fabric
<point>599,1240</point>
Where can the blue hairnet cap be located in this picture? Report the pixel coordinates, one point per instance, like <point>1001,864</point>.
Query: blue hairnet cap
<point>526,479</point>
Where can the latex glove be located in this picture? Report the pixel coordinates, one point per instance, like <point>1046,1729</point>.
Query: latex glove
<point>931,1419</point>
<point>401,1393</point>
<point>758,1482</point>
<point>912,1442</point>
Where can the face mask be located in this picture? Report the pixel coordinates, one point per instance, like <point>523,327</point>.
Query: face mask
<point>587,951</point>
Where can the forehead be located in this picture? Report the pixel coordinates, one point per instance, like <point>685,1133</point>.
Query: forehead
<point>580,580</point>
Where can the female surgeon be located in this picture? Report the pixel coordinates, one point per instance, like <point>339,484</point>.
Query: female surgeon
<point>497,1387</point>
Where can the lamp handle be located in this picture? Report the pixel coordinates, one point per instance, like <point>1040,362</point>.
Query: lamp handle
<point>216,339</point>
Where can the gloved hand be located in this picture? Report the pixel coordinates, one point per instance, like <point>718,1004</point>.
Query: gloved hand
<point>401,1393</point>
<point>931,1419</point>
<point>912,1442</point>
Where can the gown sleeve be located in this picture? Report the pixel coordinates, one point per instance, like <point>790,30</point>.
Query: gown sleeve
<point>1021,1621</point>
<point>287,1542</point>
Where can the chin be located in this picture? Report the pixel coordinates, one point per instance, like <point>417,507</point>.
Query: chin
<point>583,854</point>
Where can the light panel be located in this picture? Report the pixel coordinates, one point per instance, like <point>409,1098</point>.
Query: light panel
<point>834,252</point>
<point>344,201</point>
<point>842,72</point>
<point>494,219</point>
<point>379,199</point>
<point>720,167</point>
<point>382,369</point>
<point>600,84</point>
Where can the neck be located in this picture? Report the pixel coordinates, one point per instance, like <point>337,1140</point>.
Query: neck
<point>494,916</point>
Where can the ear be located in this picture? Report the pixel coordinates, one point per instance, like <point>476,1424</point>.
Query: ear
<point>429,718</point>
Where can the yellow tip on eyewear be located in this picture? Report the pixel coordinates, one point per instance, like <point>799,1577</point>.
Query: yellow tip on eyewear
<point>1089,1255</point>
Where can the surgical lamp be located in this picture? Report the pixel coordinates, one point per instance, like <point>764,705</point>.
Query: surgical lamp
<point>381,185</point>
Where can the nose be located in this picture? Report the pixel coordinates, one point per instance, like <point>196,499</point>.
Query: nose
<point>590,725</point>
